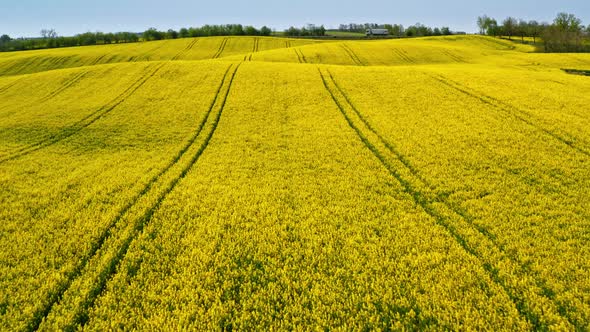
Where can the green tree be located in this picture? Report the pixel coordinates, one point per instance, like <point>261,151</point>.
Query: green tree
<point>171,34</point>
<point>509,26</point>
<point>568,22</point>
<point>493,28</point>
<point>522,29</point>
<point>265,31</point>
<point>535,30</point>
<point>482,23</point>
<point>183,33</point>
<point>250,31</point>
<point>152,34</point>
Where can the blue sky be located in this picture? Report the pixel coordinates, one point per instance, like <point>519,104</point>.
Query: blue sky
<point>27,17</point>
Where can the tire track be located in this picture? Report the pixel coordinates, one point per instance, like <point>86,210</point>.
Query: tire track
<point>495,263</point>
<point>546,290</point>
<point>513,111</point>
<point>79,317</point>
<point>221,48</point>
<point>300,55</point>
<point>84,122</point>
<point>97,60</point>
<point>74,80</point>
<point>454,57</point>
<point>403,56</point>
<point>185,50</point>
<point>10,85</point>
<point>352,55</point>
<point>256,45</point>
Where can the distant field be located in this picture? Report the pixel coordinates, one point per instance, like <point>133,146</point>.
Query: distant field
<point>247,183</point>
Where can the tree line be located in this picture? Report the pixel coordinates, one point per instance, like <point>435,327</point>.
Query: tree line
<point>565,34</point>
<point>50,39</point>
<point>311,30</point>
<point>398,30</point>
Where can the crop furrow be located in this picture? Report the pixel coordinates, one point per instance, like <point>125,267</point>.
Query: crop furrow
<point>300,55</point>
<point>65,86</point>
<point>511,110</point>
<point>352,55</point>
<point>97,60</point>
<point>10,85</point>
<point>519,266</point>
<point>84,122</point>
<point>185,50</point>
<point>221,48</point>
<point>500,269</point>
<point>454,57</point>
<point>106,270</point>
<point>403,56</point>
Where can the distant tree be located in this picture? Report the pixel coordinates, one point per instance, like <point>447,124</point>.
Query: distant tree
<point>510,24</point>
<point>183,33</point>
<point>446,31</point>
<point>397,30</point>
<point>5,39</point>
<point>152,34</point>
<point>251,31</point>
<point>564,35</point>
<point>482,23</point>
<point>534,30</point>
<point>265,31</point>
<point>493,28</point>
<point>109,38</point>
<point>522,29</point>
<point>436,32</point>
<point>236,30</point>
<point>568,22</point>
<point>48,34</point>
<point>171,34</point>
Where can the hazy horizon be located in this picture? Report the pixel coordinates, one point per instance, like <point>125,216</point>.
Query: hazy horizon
<point>27,18</point>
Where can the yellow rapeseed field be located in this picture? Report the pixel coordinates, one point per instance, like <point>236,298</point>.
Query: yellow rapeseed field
<point>285,184</point>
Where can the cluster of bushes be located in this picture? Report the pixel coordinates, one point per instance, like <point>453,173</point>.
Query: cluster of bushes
<point>565,34</point>
<point>398,30</point>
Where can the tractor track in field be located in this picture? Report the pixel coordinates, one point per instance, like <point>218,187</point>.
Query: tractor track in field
<point>403,56</point>
<point>97,60</point>
<point>539,282</point>
<point>221,48</point>
<point>513,111</point>
<point>300,55</point>
<point>186,49</point>
<point>447,219</point>
<point>10,85</point>
<point>454,57</point>
<point>80,316</point>
<point>84,122</point>
<point>66,85</point>
<point>357,61</point>
<point>256,45</point>
<point>69,83</point>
